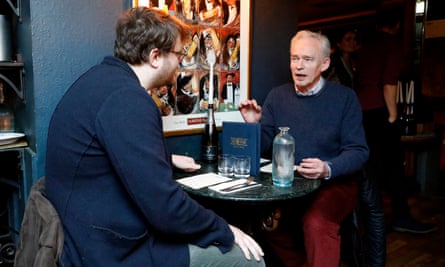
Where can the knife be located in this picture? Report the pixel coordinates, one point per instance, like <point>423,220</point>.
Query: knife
<point>247,183</point>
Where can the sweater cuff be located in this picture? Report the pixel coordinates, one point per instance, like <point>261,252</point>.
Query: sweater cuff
<point>328,165</point>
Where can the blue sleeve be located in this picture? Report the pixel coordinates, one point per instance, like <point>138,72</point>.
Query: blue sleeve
<point>353,147</point>
<point>130,128</point>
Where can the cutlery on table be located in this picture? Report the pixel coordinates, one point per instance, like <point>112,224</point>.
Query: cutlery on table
<point>247,183</point>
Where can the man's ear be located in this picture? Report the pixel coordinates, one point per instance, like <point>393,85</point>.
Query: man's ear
<point>325,64</point>
<point>153,57</point>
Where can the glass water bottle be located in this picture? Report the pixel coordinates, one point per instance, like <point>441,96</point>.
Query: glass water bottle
<point>283,158</point>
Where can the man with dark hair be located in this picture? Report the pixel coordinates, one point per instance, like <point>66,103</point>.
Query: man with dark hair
<point>110,175</point>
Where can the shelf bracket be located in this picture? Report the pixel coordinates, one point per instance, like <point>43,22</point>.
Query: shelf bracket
<point>12,85</point>
<point>15,8</point>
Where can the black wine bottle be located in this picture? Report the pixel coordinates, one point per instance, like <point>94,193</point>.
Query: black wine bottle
<point>210,138</point>
<point>403,115</point>
<point>410,121</point>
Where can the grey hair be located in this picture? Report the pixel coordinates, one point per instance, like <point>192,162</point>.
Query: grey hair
<point>325,45</point>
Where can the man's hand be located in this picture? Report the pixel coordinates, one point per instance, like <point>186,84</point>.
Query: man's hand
<point>250,110</point>
<point>247,244</point>
<point>186,163</point>
<point>313,168</point>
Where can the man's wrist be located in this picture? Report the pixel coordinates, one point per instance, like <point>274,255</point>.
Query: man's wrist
<point>328,168</point>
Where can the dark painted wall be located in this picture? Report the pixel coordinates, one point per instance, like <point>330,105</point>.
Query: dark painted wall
<point>58,41</point>
<point>273,25</point>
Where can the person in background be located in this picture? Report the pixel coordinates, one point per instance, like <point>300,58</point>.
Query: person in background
<point>371,209</point>
<point>325,120</point>
<point>109,172</point>
<point>380,62</point>
<point>343,63</point>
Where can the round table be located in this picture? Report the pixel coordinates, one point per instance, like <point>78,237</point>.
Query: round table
<point>266,193</point>
<point>257,208</point>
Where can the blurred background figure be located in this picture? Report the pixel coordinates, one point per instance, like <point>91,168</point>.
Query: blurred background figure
<point>343,61</point>
<point>342,70</point>
<point>380,65</point>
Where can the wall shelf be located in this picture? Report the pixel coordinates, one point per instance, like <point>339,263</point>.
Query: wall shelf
<point>14,76</point>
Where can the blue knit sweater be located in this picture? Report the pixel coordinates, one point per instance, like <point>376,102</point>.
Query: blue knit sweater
<point>327,125</point>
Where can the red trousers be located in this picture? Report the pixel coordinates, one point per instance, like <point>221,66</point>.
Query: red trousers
<point>320,223</point>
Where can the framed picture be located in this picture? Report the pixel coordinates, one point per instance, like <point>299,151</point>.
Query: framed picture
<point>221,25</point>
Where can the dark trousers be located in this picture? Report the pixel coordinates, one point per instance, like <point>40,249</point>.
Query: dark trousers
<point>385,164</point>
<point>373,242</point>
<point>384,169</point>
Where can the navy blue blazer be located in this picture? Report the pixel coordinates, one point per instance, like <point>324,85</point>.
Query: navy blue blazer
<point>109,176</point>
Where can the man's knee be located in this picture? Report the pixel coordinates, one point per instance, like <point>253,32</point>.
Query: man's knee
<point>315,224</point>
<point>213,257</point>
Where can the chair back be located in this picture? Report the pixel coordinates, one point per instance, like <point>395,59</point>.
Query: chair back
<point>41,234</point>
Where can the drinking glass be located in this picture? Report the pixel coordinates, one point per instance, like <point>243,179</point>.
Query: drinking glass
<point>242,167</point>
<point>225,165</point>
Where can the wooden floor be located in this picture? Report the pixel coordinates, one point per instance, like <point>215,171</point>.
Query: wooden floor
<point>418,250</point>
<point>404,249</point>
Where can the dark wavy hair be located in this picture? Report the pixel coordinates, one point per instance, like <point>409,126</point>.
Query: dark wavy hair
<point>141,29</point>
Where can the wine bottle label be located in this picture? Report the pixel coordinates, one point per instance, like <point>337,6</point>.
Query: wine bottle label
<point>210,153</point>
